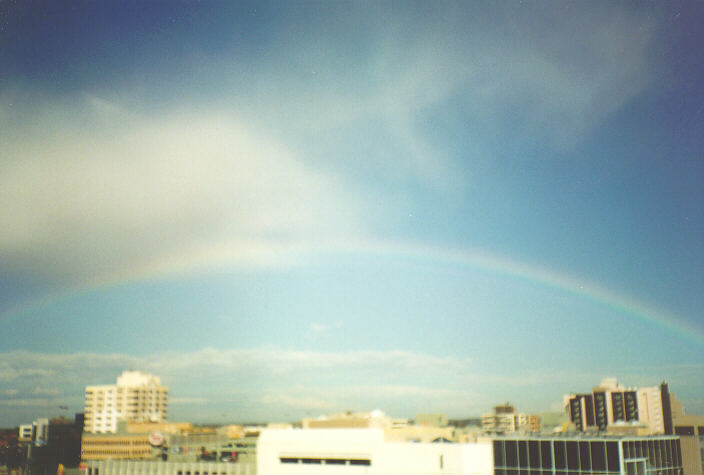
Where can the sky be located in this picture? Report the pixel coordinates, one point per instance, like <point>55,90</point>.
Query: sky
<point>288,209</point>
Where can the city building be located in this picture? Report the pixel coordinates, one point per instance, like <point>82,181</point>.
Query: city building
<point>506,420</point>
<point>131,440</point>
<point>431,420</point>
<point>25,433</point>
<point>40,431</point>
<point>349,420</point>
<point>123,467</point>
<point>690,429</point>
<point>54,442</point>
<point>611,407</point>
<point>394,429</point>
<point>187,453</point>
<point>95,446</point>
<point>367,451</point>
<point>577,454</point>
<point>137,397</point>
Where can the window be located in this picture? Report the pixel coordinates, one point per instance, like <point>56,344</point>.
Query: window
<point>511,448</point>
<point>584,457</point>
<point>684,430</point>
<point>677,453</point>
<point>545,454</point>
<point>522,453</point>
<point>498,453</point>
<point>560,458</point>
<point>598,456</point>
<point>612,457</point>
<point>651,453</point>
<point>534,454</point>
<point>572,455</point>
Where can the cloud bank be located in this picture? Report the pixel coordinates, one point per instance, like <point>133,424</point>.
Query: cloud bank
<point>311,144</point>
<point>278,384</point>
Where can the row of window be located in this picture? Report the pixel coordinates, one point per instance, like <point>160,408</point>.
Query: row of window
<point>96,471</point>
<point>631,470</point>
<point>660,453</point>
<point>601,456</point>
<point>86,454</point>
<point>131,443</point>
<point>689,430</point>
<point>597,456</point>
<point>181,472</point>
<point>325,461</point>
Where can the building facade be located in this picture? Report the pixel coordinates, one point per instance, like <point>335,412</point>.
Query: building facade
<point>653,455</point>
<point>690,429</point>
<point>137,397</point>
<point>611,405</point>
<point>124,467</point>
<point>369,452</point>
<point>506,420</point>
<point>365,451</point>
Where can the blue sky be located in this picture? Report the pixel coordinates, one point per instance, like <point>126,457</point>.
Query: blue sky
<point>290,209</point>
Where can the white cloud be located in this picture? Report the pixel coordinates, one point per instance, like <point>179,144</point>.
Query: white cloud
<point>140,194</point>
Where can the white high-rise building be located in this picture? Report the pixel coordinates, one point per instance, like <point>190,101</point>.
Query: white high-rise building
<point>137,397</point>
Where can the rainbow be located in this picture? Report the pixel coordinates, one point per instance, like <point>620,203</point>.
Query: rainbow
<point>259,255</point>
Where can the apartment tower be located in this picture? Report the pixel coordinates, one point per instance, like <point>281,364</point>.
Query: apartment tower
<point>137,397</point>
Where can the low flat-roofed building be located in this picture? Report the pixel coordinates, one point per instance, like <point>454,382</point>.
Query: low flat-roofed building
<point>431,420</point>
<point>144,467</point>
<point>116,446</point>
<point>152,427</point>
<point>367,451</point>
<point>352,420</point>
<point>364,451</point>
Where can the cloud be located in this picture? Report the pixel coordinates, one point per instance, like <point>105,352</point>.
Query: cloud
<point>121,197</point>
<point>547,74</point>
<point>262,384</point>
<point>96,186</point>
<point>269,384</point>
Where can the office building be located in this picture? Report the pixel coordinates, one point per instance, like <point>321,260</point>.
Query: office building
<point>137,397</point>
<point>574,455</point>
<point>613,406</point>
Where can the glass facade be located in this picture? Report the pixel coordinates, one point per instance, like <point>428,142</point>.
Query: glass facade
<point>587,455</point>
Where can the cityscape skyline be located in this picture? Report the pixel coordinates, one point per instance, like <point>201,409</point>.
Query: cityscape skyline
<point>285,210</point>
